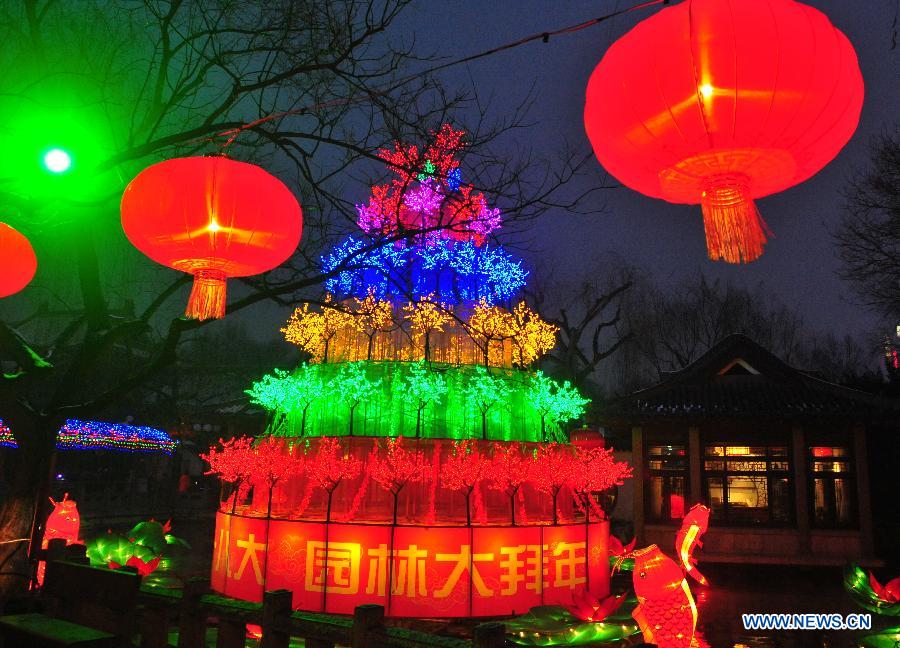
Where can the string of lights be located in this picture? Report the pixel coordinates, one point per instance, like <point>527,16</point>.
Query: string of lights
<point>94,435</point>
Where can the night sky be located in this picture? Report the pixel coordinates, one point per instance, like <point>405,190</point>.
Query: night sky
<point>798,265</point>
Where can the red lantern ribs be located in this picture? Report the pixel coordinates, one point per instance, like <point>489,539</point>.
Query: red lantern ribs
<point>720,103</point>
<point>214,218</point>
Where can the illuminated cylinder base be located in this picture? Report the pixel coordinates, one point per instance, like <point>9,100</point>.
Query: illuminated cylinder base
<point>735,230</point>
<point>448,572</point>
<point>207,300</point>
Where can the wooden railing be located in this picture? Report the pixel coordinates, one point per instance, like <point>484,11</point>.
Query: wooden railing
<point>193,609</point>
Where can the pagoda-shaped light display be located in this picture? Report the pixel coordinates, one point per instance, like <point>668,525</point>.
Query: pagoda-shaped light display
<point>432,470</point>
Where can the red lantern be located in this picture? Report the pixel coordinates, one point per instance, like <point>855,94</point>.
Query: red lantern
<point>214,218</point>
<point>719,103</point>
<point>18,259</point>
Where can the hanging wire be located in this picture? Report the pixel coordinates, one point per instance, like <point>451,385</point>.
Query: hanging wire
<point>544,37</point>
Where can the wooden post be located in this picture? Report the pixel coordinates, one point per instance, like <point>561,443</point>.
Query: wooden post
<point>640,477</point>
<point>276,614</point>
<point>695,466</point>
<point>192,623</point>
<point>232,633</point>
<point>801,488</point>
<point>154,628</point>
<point>864,510</point>
<point>368,626</point>
<point>489,635</point>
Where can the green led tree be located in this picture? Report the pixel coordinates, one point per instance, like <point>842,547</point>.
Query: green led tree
<point>273,393</point>
<point>554,402</point>
<point>484,391</point>
<point>283,393</point>
<point>422,387</point>
<point>353,387</point>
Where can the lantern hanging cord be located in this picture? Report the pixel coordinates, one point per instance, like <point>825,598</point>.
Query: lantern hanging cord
<point>542,36</point>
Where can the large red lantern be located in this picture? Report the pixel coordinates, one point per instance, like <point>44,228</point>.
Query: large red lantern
<point>17,259</point>
<point>214,218</point>
<point>719,102</point>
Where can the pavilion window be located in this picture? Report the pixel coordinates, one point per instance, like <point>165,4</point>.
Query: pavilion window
<point>833,487</point>
<point>668,480</point>
<point>748,485</point>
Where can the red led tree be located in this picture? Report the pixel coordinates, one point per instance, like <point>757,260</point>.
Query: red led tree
<point>509,471</point>
<point>395,467</point>
<point>330,466</point>
<point>593,470</point>
<point>233,464</point>
<point>272,463</point>
<point>551,469</point>
<point>462,471</point>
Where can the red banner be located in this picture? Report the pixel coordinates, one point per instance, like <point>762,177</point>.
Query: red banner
<point>411,571</point>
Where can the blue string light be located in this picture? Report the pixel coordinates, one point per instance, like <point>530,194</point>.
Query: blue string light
<point>451,271</point>
<point>454,179</point>
<point>94,435</point>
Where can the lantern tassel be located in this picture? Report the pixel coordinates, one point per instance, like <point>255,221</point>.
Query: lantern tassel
<point>735,230</point>
<point>207,300</point>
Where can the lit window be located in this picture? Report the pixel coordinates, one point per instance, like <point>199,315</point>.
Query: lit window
<point>833,501</point>
<point>667,488</point>
<point>748,484</point>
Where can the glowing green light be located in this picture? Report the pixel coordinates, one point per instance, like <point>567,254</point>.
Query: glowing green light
<point>56,160</point>
<point>415,399</point>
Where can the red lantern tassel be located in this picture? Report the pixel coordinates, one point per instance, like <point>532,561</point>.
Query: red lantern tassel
<point>735,231</point>
<point>207,300</point>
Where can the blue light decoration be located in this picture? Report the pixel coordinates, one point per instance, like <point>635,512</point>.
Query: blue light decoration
<point>94,435</point>
<point>454,179</point>
<point>7,440</point>
<point>451,271</point>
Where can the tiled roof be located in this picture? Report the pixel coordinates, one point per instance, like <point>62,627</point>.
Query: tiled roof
<point>778,391</point>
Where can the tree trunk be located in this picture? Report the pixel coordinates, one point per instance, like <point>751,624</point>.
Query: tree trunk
<point>26,503</point>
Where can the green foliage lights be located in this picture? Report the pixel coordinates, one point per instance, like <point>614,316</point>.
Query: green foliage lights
<point>555,402</point>
<point>485,391</point>
<point>424,399</point>
<point>353,386</point>
<point>423,387</point>
<point>283,393</point>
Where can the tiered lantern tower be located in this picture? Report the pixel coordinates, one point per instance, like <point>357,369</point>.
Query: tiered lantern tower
<point>418,460</point>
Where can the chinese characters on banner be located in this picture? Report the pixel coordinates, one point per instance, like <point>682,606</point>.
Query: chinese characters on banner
<point>427,571</point>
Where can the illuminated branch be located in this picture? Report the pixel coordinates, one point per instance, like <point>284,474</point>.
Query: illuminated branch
<point>489,326</point>
<point>422,387</point>
<point>463,470</point>
<point>551,469</point>
<point>532,337</point>
<point>426,316</point>
<point>595,470</point>
<point>509,470</point>
<point>395,467</point>
<point>372,316</point>
<point>484,391</point>
<point>553,401</point>
<point>313,331</point>
<point>353,386</point>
